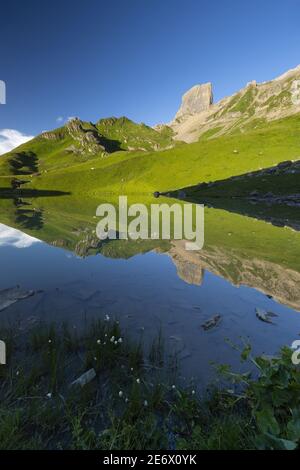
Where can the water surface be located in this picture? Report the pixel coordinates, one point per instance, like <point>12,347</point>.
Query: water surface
<point>49,245</point>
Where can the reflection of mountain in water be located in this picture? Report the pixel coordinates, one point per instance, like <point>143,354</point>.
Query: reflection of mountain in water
<point>188,268</point>
<point>240,249</point>
<point>270,278</point>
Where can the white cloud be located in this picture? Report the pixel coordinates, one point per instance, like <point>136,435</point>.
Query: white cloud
<point>10,139</point>
<point>12,237</point>
<point>59,119</point>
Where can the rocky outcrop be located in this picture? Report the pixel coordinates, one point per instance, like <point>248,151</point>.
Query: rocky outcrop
<point>52,135</point>
<point>74,126</point>
<point>196,100</point>
<point>89,139</point>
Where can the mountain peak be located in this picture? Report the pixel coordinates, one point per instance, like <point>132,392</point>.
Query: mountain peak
<point>255,103</point>
<point>197,99</point>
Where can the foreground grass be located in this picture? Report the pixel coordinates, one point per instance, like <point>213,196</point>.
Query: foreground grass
<point>134,402</point>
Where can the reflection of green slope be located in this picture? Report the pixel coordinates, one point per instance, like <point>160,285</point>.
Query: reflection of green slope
<point>71,224</point>
<point>238,248</point>
<point>251,238</point>
<point>70,219</point>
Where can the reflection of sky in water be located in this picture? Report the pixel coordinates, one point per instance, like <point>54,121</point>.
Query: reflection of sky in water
<point>12,237</point>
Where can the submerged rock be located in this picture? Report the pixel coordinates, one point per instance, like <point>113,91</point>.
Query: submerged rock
<point>85,378</point>
<point>264,316</point>
<point>12,295</point>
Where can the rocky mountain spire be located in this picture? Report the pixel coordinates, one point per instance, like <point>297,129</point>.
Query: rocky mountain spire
<point>199,98</point>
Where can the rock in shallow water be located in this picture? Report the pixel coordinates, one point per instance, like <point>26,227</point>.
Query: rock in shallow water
<point>85,378</point>
<point>212,322</point>
<point>12,295</point>
<point>264,316</point>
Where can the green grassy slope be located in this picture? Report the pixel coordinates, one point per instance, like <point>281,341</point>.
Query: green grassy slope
<point>133,136</point>
<point>185,165</point>
<point>78,142</point>
<point>50,154</point>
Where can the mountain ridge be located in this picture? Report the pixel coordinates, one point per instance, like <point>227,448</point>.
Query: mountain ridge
<point>268,100</point>
<point>119,156</point>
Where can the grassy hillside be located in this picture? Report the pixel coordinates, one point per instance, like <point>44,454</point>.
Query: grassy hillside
<point>79,141</point>
<point>132,136</point>
<point>185,165</point>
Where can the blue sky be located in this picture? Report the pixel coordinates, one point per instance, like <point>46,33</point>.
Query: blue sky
<point>97,58</point>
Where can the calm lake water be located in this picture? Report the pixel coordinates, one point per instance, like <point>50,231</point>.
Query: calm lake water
<point>49,245</point>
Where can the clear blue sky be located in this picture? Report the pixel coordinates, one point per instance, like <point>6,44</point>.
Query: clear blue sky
<point>97,58</point>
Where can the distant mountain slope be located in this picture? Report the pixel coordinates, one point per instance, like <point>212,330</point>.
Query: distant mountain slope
<point>79,141</point>
<point>252,105</point>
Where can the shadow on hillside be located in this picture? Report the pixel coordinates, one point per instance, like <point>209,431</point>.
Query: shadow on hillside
<point>111,145</point>
<point>29,218</point>
<point>7,193</point>
<point>269,194</point>
<point>23,163</point>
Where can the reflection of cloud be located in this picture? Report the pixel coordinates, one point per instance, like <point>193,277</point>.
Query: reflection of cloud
<point>59,119</point>
<point>12,237</point>
<point>10,139</point>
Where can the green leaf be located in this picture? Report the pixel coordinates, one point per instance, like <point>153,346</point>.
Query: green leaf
<point>293,426</point>
<point>281,444</point>
<point>267,422</point>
